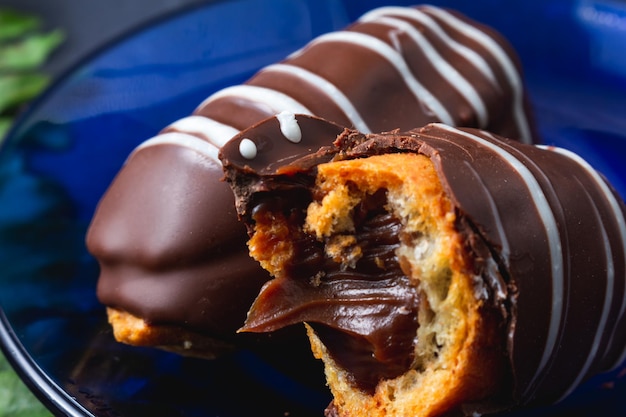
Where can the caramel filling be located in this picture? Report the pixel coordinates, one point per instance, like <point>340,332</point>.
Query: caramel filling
<point>359,262</point>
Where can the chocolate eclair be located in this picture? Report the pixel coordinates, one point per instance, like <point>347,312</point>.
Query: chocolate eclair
<point>174,268</point>
<point>438,270</point>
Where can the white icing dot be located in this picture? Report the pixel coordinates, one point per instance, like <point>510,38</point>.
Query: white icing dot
<point>247,148</point>
<point>289,126</point>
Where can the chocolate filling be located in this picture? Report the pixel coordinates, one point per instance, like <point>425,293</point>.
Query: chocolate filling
<point>350,288</point>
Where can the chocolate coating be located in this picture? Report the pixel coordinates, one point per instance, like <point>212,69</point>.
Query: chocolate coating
<point>556,237</point>
<point>395,68</point>
<point>165,233</point>
<point>159,265</point>
<point>175,262</point>
<point>330,295</point>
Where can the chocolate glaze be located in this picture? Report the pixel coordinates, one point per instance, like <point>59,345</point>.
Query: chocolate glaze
<point>380,343</point>
<point>555,233</point>
<point>158,264</point>
<point>165,233</point>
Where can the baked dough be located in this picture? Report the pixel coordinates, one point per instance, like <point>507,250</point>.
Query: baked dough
<point>500,265</point>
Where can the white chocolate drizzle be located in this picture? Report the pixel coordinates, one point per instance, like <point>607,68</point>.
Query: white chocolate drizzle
<point>446,70</point>
<point>606,305</point>
<point>289,126</point>
<point>213,131</point>
<point>618,215</point>
<point>505,250</point>
<point>383,49</point>
<point>331,90</point>
<point>273,101</point>
<point>422,18</point>
<point>502,57</point>
<point>184,140</point>
<point>548,219</point>
<point>247,148</point>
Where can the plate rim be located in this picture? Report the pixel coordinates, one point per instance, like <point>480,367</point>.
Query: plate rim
<point>53,396</point>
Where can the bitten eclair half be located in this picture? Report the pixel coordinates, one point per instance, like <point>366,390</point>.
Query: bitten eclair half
<point>439,270</point>
<point>174,268</point>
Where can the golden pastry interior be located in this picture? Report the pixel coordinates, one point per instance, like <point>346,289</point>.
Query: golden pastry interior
<point>434,268</point>
<point>456,344</point>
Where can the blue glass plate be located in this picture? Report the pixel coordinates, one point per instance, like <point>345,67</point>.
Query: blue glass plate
<point>66,149</point>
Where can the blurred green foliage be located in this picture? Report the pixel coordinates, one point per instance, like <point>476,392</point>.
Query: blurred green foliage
<point>24,48</point>
<point>15,398</point>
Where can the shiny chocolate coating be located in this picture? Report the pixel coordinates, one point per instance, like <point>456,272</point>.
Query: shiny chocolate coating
<point>395,68</point>
<point>159,265</point>
<point>559,232</point>
<point>165,232</point>
<point>171,248</point>
<point>555,231</point>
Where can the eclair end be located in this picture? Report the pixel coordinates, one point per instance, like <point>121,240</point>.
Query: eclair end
<point>429,279</point>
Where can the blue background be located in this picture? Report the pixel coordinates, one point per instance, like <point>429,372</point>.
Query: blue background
<point>66,149</point>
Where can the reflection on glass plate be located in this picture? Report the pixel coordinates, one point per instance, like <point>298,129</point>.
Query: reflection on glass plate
<point>64,152</point>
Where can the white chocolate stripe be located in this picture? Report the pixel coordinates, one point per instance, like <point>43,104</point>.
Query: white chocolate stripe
<point>608,290</point>
<point>610,280</point>
<point>289,126</point>
<point>501,56</point>
<point>505,250</point>
<point>273,100</point>
<point>447,71</point>
<point>554,242</point>
<point>336,95</point>
<point>418,16</point>
<point>213,131</point>
<point>395,59</point>
<point>182,139</point>
<point>617,213</point>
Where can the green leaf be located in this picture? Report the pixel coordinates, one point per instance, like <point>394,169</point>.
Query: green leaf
<point>16,400</point>
<point>16,89</point>
<point>5,125</point>
<point>14,24</point>
<point>29,52</point>
<point>22,52</point>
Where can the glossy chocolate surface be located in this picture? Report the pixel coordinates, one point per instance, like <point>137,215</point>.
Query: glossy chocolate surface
<point>556,234</point>
<point>395,68</point>
<point>157,264</point>
<point>165,233</point>
<point>366,313</point>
